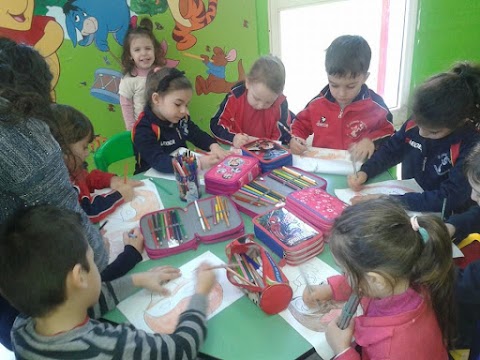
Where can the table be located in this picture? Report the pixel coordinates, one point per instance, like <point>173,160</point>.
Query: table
<point>242,330</point>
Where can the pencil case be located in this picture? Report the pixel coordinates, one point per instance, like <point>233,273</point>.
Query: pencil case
<point>276,183</point>
<point>231,174</point>
<point>316,206</point>
<point>253,269</point>
<point>174,230</point>
<point>288,236</point>
<point>270,154</point>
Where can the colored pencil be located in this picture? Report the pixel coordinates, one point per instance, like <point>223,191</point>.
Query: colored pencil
<point>285,128</point>
<point>152,232</point>
<point>103,225</point>
<point>182,228</point>
<point>199,215</point>
<point>303,177</point>
<point>222,266</point>
<point>214,214</point>
<point>225,211</point>
<point>207,224</point>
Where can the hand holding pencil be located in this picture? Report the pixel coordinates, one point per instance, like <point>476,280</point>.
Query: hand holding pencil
<point>297,145</point>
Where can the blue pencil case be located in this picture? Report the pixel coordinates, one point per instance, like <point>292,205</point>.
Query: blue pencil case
<point>270,154</point>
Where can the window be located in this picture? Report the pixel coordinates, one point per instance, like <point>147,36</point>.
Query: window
<point>301,31</point>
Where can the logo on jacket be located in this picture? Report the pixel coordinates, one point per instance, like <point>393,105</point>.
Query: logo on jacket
<point>444,161</point>
<point>322,122</point>
<point>415,145</point>
<point>183,127</point>
<point>356,127</point>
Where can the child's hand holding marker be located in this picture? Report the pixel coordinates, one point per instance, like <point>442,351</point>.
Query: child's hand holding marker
<point>240,139</point>
<point>297,145</point>
<point>338,339</point>
<point>356,181</point>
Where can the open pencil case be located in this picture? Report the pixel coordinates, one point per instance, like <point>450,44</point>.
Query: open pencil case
<point>253,269</point>
<point>271,189</point>
<point>231,174</point>
<point>270,154</point>
<point>174,230</point>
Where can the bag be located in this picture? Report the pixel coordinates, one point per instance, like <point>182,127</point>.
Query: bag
<point>231,174</point>
<point>270,154</point>
<point>174,230</point>
<point>282,181</point>
<point>257,275</point>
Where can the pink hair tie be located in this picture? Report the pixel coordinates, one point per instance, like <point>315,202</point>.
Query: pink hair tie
<point>418,228</point>
<point>157,69</point>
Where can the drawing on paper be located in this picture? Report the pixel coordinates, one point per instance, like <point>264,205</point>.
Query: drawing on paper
<point>329,161</point>
<point>156,313</point>
<point>327,154</point>
<point>316,318</point>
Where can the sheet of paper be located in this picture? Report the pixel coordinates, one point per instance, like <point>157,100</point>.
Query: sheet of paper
<point>156,313</point>
<point>311,323</point>
<point>127,216</point>
<point>390,187</point>
<point>456,252</point>
<point>329,161</point>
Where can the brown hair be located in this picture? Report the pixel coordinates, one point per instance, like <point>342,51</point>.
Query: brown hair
<point>270,71</point>
<point>165,80</point>
<point>447,99</point>
<point>377,236</point>
<point>145,29</point>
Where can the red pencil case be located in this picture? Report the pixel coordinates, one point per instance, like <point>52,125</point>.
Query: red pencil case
<point>283,181</point>
<point>231,174</point>
<point>316,206</point>
<point>270,154</point>
<point>257,274</point>
<point>174,230</point>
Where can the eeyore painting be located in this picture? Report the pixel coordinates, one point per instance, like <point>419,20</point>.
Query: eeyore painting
<point>95,19</point>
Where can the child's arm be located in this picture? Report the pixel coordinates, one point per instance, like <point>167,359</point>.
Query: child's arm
<point>286,120</point>
<point>467,284</point>
<point>127,112</point>
<point>98,179</point>
<point>465,223</point>
<point>223,124</point>
<point>97,207</point>
<point>198,137</point>
<point>302,125</point>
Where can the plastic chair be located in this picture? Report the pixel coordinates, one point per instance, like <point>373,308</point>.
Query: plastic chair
<point>118,147</point>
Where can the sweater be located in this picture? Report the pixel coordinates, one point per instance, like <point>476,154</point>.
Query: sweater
<point>155,139</point>
<point>366,116</point>
<point>235,115</point>
<point>102,340</point>
<point>465,223</point>
<point>395,328</point>
<point>436,165</point>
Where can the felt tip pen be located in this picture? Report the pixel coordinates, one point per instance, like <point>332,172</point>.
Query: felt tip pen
<point>103,225</point>
<point>348,311</point>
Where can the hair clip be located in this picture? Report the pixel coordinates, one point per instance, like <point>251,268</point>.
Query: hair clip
<point>416,227</point>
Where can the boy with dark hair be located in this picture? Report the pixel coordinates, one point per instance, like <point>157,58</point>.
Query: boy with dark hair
<point>48,273</point>
<point>346,114</point>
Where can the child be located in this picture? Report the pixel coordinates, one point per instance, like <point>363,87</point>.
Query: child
<point>76,133</point>
<point>346,114</point>
<point>402,268</point>
<point>432,145</point>
<point>255,108</point>
<point>141,53</point>
<point>48,273</point>
<point>165,125</point>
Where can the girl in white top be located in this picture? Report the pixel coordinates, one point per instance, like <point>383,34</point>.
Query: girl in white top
<point>141,53</point>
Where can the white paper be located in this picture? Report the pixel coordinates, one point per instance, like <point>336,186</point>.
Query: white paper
<point>390,187</point>
<point>156,313</point>
<point>127,216</point>
<point>311,323</point>
<point>328,161</point>
<point>456,252</point>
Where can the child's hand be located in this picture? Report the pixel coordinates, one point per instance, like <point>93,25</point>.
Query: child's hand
<point>219,152</point>
<point>134,238</point>
<point>240,139</point>
<point>205,279</point>
<point>338,339</point>
<point>118,181</point>
<point>355,182</point>
<point>297,146</point>
<point>360,198</point>
<point>362,150</point>
<point>451,229</point>
<point>314,293</point>
<point>207,161</point>
<point>126,191</point>
<point>154,279</point>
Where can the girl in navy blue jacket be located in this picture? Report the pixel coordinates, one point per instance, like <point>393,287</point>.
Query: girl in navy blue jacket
<point>433,144</point>
<point>165,124</point>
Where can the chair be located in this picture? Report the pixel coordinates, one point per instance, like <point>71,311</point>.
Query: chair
<point>118,147</point>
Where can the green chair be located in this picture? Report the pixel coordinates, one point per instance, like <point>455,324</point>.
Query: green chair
<point>117,148</point>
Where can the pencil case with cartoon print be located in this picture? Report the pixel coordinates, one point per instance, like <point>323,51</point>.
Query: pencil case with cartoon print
<point>253,269</point>
<point>271,189</point>
<point>174,230</point>
<point>269,153</point>
<point>289,236</point>
<point>231,174</point>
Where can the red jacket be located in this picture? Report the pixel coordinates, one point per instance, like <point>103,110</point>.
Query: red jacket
<point>96,206</point>
<point>366,117</point>
<point>412,334</point>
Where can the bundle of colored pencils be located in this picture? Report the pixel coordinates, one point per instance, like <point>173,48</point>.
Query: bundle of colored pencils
<point>292,178</point>
<point>258,194</point>
<point>186,170</point>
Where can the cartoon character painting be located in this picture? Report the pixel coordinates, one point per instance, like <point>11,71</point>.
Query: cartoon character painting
<point>216,82</point>
<point>95,20</point>
<point>18,23</point>
<point>190,15</point>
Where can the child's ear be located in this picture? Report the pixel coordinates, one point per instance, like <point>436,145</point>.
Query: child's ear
<point>156,98</point>
<point>376,282</point>
<point>78,277</point>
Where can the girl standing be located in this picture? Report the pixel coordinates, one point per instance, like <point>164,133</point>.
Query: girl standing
<point>141,53</point>
<point>402,268</point>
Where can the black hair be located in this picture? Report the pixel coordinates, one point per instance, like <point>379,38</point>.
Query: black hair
<point>39,246</point>
<point>348,55</point>
<point>165,80</point>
